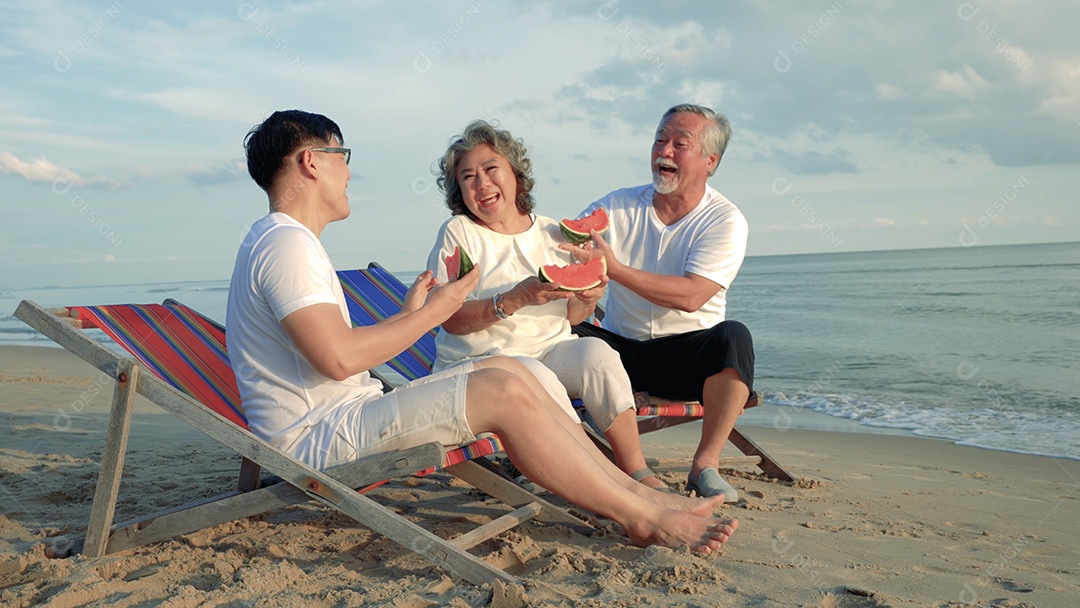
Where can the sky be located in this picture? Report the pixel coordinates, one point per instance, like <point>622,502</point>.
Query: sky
<point>857,126</point>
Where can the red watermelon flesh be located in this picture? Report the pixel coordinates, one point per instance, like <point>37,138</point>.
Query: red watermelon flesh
<point>575,277</point>
<point>453,261</point>
<point>458,264</point>
<point>577,231</point>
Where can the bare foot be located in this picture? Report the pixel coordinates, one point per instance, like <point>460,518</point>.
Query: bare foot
<point>707,506</point>
<point>653,482</point>
<point>702,507</point>
<point>674,529</point>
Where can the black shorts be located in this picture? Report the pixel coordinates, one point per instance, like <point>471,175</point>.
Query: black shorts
<point>675,367</point>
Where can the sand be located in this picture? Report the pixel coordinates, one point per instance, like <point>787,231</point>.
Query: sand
<point>875,520</point>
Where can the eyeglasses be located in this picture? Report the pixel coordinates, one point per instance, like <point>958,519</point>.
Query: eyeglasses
<point>346,151</point>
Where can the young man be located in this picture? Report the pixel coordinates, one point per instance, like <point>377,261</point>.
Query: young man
<point>302,368</point>
<point>673,249</point>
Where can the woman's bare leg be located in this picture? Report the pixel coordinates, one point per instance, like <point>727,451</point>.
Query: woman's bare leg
<point>626,446</point>
<point>548,453</point>
<point>696,506</point>
<point>590,369</point>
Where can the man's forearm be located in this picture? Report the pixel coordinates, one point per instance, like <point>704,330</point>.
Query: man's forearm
<point>679,293</point>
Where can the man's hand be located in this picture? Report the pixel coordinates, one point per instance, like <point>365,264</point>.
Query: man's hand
<point>445,299</point>
<point>418,291</point>
<point>593,249</point>
<point>687,293</point>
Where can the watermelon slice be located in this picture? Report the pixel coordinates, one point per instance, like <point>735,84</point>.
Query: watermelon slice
<point>458,264</point>
<point>577,231</point>
<point>575,277</point>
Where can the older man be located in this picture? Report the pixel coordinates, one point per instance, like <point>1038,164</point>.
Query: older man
<point>673,249</point>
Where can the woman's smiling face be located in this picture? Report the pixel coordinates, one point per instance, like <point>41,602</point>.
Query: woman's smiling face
<point>488,185</point>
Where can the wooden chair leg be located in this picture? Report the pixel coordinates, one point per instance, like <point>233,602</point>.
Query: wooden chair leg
<point>249,476</point>
<point>481,474</point>
<point>754,453</point>
<point>112,459</point>
<point>767,464</point>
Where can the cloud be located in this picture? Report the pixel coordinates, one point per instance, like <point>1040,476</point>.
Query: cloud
<point>966,73</point>
<point>815,163</point>
<point>212,176</point>
<point>26,122</point>
<point>888,92</point>
<point>1062,90</point>
<point>40,170</point>
<point>959,84</point>
<point>200,102</point>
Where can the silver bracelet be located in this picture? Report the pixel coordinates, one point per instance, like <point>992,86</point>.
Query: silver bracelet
<point>496,301</point>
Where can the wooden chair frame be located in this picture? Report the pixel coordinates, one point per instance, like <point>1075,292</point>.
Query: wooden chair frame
<point>753,454</point>
<point>334,487</point>
<point>647,423</point>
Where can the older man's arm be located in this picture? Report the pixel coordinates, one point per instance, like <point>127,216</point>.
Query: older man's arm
<point>686,293</point>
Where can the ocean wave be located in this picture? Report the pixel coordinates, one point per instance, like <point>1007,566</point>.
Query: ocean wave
<point>923,268</point>
<point>1014,428</point>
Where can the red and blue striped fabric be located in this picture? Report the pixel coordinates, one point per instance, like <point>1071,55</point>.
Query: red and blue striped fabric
<point>692,409</point>
<point>483,446</point>
<point>187,350</point>
<point>373,294</point>
<point>178,345</point>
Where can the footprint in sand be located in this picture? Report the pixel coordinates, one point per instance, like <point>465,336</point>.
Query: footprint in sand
<point>852,597</point>
<point>1015,587</point>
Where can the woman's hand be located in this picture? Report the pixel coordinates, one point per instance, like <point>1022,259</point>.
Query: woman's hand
<point>584,303</point>
<point>590,297</point>
<point>533,292</point>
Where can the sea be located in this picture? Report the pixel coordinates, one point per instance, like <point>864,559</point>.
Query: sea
<point>979,345</point>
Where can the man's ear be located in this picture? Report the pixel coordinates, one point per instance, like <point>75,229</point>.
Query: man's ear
<point>306,163</point>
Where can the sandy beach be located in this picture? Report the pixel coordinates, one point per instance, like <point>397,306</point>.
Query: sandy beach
<point>875,520</point>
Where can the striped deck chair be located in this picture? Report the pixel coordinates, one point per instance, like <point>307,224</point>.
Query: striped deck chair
<point>373,294</point>
<point>190,377</point>
<point>656,413</point>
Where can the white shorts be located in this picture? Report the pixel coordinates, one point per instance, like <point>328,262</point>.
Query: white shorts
<point>427,409</point>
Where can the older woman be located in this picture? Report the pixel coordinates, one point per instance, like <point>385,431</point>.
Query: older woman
<point>485,174</point>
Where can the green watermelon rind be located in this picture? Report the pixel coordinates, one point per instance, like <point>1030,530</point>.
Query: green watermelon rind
<point>465,264</point>
<point>574,237</point>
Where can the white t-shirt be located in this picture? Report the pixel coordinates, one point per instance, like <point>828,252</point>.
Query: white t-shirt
<point>710,241</point>
<point>504,260</point>
<point>282,267</point>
